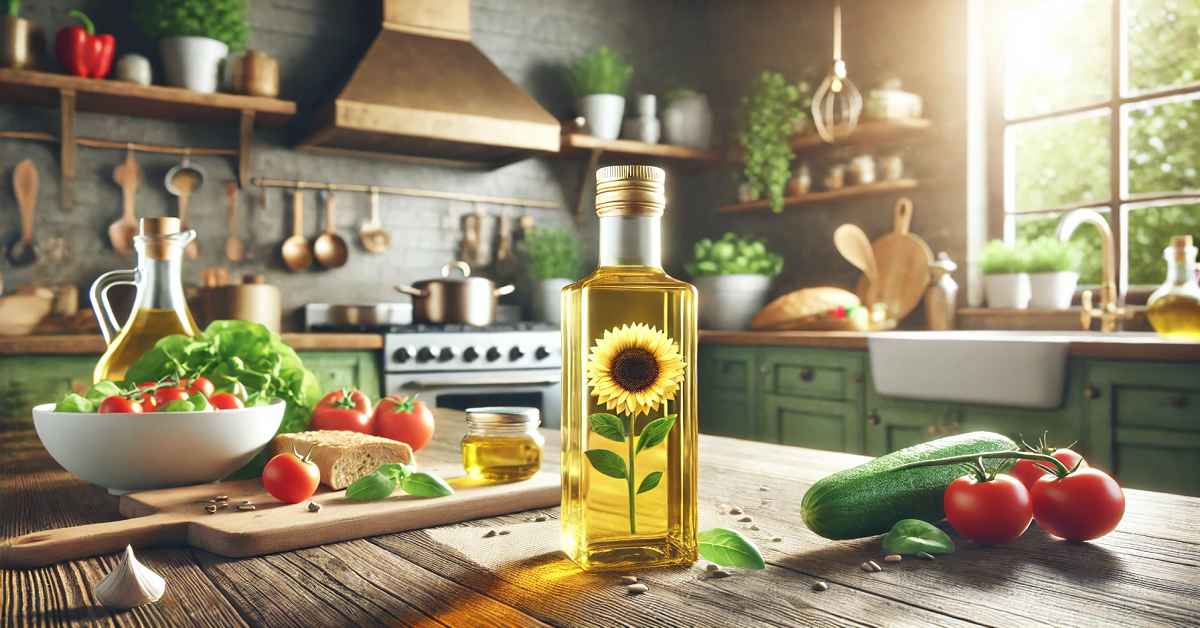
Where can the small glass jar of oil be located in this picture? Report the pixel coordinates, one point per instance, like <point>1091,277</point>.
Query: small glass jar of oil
<point>1174,309</point>
<point>502,443</point>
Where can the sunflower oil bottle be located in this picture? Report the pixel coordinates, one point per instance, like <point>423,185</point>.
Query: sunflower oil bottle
<point>629,391</point>
<point>1174,309</point>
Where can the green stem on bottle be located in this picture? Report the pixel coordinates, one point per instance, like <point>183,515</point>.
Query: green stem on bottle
<point>632,490</point>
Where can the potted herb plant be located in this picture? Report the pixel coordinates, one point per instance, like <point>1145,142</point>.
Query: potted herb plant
<point>1053,272</point>
<point>598,81</point>
<point>766,119</point>
<point>687,120</point>
<point>195,36</point>
<point>22,42</point>
<point>732,277</point>
<point>1005,281</point>
<point>554,256</point>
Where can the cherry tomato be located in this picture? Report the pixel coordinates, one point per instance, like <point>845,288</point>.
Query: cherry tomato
<point>163,396</point>
<point>996,511</point>
<point>403,419</point>
<point>119,405</point>
<point>201,385</point>
<point>1082,506</point>
<point>343,410</point>
<point>149,403</point>
<point>225,401</point>
<point>291,478</point>
<point>1028,473</point>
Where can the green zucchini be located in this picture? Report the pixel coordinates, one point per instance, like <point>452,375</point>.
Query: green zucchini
<point>869,499</point>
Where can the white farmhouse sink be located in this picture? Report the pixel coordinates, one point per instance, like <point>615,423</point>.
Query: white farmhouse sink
<point>1006,368</point>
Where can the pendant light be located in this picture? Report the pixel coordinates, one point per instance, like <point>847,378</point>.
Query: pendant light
<point>837,104</point>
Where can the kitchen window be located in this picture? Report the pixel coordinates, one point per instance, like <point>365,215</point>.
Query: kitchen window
<point>1100,109</point>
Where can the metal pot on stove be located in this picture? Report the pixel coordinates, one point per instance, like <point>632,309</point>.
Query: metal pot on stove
<point>461,300</point>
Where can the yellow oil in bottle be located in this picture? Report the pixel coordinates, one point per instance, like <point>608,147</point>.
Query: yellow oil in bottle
<point>144,328</point>
<point>1175,316</point>
<point>501,459</point>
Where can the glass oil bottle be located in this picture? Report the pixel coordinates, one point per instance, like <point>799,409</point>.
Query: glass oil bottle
<point>159,309</point>
<point>629,391</point>
<point>1174,309</point>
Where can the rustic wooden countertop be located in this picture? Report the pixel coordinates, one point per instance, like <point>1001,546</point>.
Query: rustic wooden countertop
<point>88,344</point>
<point>1147,573</point>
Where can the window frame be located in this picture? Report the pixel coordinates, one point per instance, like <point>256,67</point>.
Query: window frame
<point>1003,216</point>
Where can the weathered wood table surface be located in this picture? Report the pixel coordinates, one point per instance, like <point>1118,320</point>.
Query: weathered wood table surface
<point>1147,573</point>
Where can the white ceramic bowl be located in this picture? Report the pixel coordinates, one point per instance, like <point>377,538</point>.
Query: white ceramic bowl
<point>137,452</point>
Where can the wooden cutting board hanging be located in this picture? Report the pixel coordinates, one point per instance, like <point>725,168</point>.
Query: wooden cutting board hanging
<point>903,261</point>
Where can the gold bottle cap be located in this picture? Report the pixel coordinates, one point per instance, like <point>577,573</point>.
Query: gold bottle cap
<point>158,226</point>
<point>630,191</point>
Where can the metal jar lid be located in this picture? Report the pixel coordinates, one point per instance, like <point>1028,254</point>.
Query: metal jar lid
<point>504,415</point>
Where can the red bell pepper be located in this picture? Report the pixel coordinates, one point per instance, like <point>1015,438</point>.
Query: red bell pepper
<point>82,52</point>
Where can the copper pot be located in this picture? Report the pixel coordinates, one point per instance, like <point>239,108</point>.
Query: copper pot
<point>464,300</point>
<point>22,43</point>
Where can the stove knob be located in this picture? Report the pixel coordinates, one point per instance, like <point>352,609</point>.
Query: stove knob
<point>542,353</point>
<point>404,354</point>
<point>470,354</point>
<point>427,354</point>
<point>447,354</point>
<point>493,354</point>
<point>516,354</point>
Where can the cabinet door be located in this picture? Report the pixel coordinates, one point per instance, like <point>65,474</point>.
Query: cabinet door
<point>727,391</point>
<point>813,373</point>
<point>726,368</point>
<point>812,423</point>
<point>27,380</point>
<point>724,413</point>
<point>894,425</point>
<point>345,369</point>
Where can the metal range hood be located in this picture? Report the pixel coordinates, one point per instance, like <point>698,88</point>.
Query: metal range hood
<point>423,93</point>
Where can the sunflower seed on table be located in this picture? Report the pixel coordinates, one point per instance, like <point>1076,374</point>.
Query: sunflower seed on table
<point>820,586</point>
<point>755,528</point>
<point>893,558</point>
<point>541,518</point>
<point>925,556</point>
<point>222,504</point>
<point>776,539</point>
<point>723,509</point>
<point>736,510</point>
<point>245,506</point>
<point>503,532</point>
<point>719,573</point>
<point>211,508</point>
<point>247,502</point>
<point>746,519</point>
<point>490,534</point>
<point>314,507</point>
<point>711,568</point>
<point>222,498</point>
<point>637,588</point>
<point>871,566</point>
<point>628,579</point>
<point>764,488</point>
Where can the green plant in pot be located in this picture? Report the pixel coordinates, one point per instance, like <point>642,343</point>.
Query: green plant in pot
<point>194,37</point>
<point>732,276</point>
<point>1053,268</point>
<point>553,257</point>
<point>766,120</point>
<point>22,42</point>
<point>1005,276</point>
<point>598,81</point>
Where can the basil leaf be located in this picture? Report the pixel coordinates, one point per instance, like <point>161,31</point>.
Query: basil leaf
<point>607,462</point>
<point>608,426</point>
<point>650,482</point>
<point>179,405</point>
<point>655,433</point>
<point>395,470</point>
<point>727,547</point>
<point>426,485</point>
<point>374,486</point>
<point>72,402</point>
<point>199,403</point>
<point>101,391</point>
<point>910,536</point>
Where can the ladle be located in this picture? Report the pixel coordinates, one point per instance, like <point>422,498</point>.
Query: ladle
<point>182,180</point>
<point>128,175</point>
<point>25,185</point>
<point>296,252</point>
<point>330,248</point>
<point>235,250</point>
<point>374,238</point>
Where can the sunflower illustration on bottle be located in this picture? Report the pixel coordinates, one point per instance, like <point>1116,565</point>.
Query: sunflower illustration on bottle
<point>632,370</point>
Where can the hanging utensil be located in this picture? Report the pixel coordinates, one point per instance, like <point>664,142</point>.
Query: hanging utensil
<point>296,252</point>
<point>235,250</point>
<point>374,238</point>
<point>128,175</point>
<point>837,104</point>
<point>506,263</point>
<point>181,181</point>
<point>855,246</point>
<point>22,251</point>
<point>330,248</point>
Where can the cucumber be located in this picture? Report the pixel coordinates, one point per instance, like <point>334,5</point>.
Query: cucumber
<point>870,498</point>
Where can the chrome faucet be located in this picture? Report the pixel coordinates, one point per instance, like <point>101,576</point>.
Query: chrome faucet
<point>1112,301</point>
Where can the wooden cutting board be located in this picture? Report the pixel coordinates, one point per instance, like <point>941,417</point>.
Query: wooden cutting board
<point>903,261</point>
<point>173,516</point>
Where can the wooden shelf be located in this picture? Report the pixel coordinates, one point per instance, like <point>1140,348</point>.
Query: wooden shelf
<point>43,89</point>
<point>868,132</point>
<point>829,195</point>
<point>581,144</point>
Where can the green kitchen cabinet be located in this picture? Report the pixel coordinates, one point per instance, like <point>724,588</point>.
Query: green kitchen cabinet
<point>345,369</point>
<point>729,392</point>
<point>812,423</point>
<point>30,380</point>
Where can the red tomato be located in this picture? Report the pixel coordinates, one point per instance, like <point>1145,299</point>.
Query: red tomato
<point>290,478</point>
<point>225,401</point>
<point>119,405</point>
<point>149,403</point>
<point>163,396</point>
<point>1028,473</point>
<point>343,410</point>
<point>1083,506</point>
<point>996,511</point>
<point>201,385</point>
<point>403,419</point>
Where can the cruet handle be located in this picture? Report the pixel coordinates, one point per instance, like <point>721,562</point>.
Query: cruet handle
<point>99,293</point>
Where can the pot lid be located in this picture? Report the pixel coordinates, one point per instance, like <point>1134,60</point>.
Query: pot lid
<point>449,276</point>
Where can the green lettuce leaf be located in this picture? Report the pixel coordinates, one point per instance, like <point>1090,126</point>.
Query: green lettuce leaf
<point>102,390</point>
<point>72,402</point>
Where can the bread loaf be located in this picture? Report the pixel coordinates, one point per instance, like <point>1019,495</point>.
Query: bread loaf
<point>801,304</point>
<point>343,456</point>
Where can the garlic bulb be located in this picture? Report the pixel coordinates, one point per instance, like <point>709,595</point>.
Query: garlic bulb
<point>130,584</point>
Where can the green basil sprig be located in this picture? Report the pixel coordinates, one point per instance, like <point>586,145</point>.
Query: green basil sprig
<point>727,547</point>
<point>911,536</point>
<point>384,481</point>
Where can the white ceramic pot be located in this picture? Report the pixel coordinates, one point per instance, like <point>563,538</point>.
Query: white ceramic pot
<point>1007,291</point>
<point>688,121</point>
<point>645,127</point>
<point>134,68</point>
<point>547,301</point>
<point>1052,290</point>
<point>730,301</point>
<point>193,62</point>
<point>602,114</point>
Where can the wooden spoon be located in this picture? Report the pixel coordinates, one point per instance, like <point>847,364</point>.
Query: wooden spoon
<point>330,248</point>
<point>182,180</point>
<point>855,246</point>
<point>25,185</point>
<point>235,250</point>
<point>127,175</point>
<point>374,238</point>
<point>296,252</point>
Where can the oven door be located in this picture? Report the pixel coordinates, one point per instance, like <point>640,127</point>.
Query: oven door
<point>532,388</point>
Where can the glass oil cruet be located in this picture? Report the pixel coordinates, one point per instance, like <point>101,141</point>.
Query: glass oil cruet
<point>629,391</point>
<point>159,309</point>
<point>1174,309</point>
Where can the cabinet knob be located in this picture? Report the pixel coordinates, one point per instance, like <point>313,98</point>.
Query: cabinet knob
<point>1091,392</point>
<point>805,374</point>
<point>764,369</point>
<point>858,378</point>
<point>872,419</point>
<point>725,368</point>
<point>1179,401</point>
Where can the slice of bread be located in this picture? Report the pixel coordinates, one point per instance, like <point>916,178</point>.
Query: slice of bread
<point>344,456</point>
